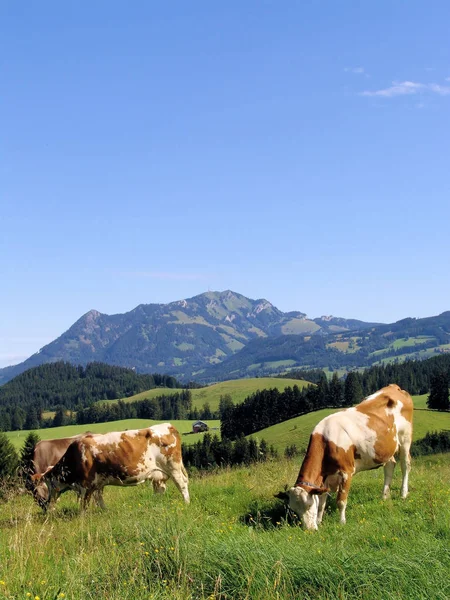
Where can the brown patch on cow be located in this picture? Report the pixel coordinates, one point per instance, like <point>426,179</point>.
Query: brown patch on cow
<point>382,422</point>
<point>48,452</point>
<point>323,459</point>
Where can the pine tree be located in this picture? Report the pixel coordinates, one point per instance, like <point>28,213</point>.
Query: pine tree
<point>241,451</point>
<point>353,393</point>
<point>32,421</point>
<point>252,450</point>
<point>336,394</point>
<point>263,450</point>
<point>26,467</point>
<point>8,458</point>
<point>439,395</point>
<point>323,391</point>
<point>60,416</point>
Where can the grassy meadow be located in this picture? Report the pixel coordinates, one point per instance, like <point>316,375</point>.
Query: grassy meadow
<point>234,541</point>
<point>238,389</point>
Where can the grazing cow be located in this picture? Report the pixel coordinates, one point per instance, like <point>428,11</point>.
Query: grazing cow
<point>363,437</point>
<point>119,458</point>
<point>46,454</point>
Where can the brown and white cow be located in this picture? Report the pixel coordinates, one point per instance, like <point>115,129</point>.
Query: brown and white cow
<point>363,437</point>
<point>46,454</point>
<point>118,458</point>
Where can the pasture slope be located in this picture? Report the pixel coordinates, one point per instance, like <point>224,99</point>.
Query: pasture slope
<point>297,430</point>
<point>238,389</point>
<point>234,541</point>
<point>294,431</point>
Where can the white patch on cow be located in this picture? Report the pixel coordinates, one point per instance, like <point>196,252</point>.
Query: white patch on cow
<point>83,453</point>
<point>95,450</point>
<point>161,429</point>
<point>372,396</point>
<point>348,428</point>
<point>404,427</point>
<point>305,505</point>
<point>114,437</point>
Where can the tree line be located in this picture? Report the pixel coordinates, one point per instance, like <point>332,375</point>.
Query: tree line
<point>65,387</point>
<point>177,405</point>
<point>211,452</point>
<point>269,407</point>
<point>412,375</point>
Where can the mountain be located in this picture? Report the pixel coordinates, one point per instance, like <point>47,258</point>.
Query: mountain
<point>182,338</point>
<point>361,347</point>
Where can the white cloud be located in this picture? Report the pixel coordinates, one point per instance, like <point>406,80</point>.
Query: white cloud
<point>408,88</point>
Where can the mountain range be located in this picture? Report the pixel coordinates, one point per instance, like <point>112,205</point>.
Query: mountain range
<point>220,335</point>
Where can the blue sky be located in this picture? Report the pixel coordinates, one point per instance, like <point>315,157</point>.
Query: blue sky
<point>296,152</point>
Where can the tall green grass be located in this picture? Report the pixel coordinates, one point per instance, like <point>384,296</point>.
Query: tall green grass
<point>234,541</point>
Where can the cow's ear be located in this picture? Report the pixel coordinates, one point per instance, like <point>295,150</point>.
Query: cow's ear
<point>47,470</point>
<point>282,496</point>
<point>36,477</point>
<point>323,490</point>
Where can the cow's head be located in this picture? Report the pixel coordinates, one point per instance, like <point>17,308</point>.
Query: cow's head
<point>44,489</point>
<point>304,502</point>
<point>40,490</point>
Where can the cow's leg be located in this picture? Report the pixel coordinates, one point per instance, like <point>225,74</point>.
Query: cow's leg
<point>181,481</point>
<point>321,509</point>
<point>98,496</point>
<point>388,473</point>
<point>85,496</point>
<point>342,495</point>
<point>405,463</point>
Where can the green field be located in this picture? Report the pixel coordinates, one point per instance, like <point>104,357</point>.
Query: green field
<point>297,431</point>
<point>18,437</point>
<point>238,389</point>
<point>233,542</point>
<point>294,431</point>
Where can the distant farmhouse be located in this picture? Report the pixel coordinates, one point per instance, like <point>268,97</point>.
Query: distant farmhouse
<point>199,426</point>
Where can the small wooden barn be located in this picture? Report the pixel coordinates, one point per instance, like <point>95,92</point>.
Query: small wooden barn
<point>199,426</point>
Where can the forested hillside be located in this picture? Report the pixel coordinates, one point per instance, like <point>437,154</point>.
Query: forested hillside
<point>61,384</point>
<point>381,344</point>
<point>269,407</point>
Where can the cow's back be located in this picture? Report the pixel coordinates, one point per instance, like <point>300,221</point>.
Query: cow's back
<point>371,432</point>
<point>48,452</point>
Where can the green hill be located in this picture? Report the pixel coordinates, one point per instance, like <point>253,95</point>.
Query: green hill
<point>238,389</point>
<point>297,431</point>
